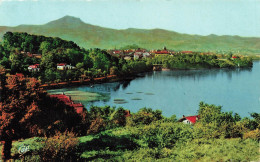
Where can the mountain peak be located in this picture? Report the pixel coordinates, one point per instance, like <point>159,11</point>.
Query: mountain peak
<point>67,20</point>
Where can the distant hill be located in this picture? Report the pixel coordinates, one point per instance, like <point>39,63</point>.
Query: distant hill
<point>91,36</point>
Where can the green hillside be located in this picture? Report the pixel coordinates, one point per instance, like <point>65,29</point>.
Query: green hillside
<point>90,36</point>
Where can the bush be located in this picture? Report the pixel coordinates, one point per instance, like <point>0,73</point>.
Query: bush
<point>254,134</point>
<point>96,125</point>
<point>146,116</point>
<point>118,118</point>
<point>60,147</point>
<point>214,124</point>
<point>163,134</point>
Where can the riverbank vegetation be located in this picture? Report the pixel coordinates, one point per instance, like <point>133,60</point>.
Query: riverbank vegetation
<point>20,50</point>
<point>147,135</point>
<point>198,61</point>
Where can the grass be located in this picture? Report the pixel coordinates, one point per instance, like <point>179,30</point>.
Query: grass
<point>123,144</point>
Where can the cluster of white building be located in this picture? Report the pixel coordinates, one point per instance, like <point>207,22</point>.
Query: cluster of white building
<point>60,66</point>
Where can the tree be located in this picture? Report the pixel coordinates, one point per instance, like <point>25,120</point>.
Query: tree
<point>16,107</point>
<point>45,47</point>
<point>114,70</point>
<point>74,56</point>
<point>26,111</point>
<point>17,65</point>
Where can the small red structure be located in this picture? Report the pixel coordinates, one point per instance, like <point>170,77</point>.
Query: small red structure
<point>162,52</point>
<point>20,75</point>
<point>189,119</point>
<point>186,52</point>
<point>234,57</point>
<point>35,67</point>
<point>117,52</point>
<point>79,108</point>
<point>127,113</point>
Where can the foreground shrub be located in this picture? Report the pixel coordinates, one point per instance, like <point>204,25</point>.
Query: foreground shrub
<point>60,147</point>
<point>214,123</point>
<point>118,118</point>
<point>145,116</point>
<point>254,134</point>
<point>216,150</point>
<point>160,134</point>
<point>96,126</point>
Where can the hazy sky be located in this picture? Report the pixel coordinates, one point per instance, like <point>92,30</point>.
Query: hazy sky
<point>203,17</point>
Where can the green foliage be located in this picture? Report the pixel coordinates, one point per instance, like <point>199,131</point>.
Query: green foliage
<point>145,116</point>
<point>153,138</point>
<point>164,135</point>
<point>214,123</point>
<point>118,117</point>
<point>34,44</point>
<point>54,50</point>
<point>127,47</point>
<point>114,70</point>
<point>216,150</point>
<point>105,117</point>
<point>134,67</point>
<point>253,134</point>
<point>35,145</point>
<point>196,60</point>
<point>100,59</point>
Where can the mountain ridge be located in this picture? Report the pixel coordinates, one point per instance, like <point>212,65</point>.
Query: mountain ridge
<point>93,36</point>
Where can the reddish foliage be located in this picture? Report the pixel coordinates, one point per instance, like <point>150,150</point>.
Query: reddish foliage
<point>26,110</point>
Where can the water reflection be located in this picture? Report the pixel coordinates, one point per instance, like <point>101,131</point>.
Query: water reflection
<point>180,91</point>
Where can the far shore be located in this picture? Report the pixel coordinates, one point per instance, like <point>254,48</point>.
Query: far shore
<point>106,79</point>
<point>109,78</point>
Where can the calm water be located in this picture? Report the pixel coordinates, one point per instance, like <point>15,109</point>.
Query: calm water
<point>179,92</point>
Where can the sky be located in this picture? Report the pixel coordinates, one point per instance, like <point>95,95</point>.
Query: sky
<point>202,17</point>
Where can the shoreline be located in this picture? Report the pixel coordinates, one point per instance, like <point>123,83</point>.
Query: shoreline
<point>113,78</point>
<point>106,79</point>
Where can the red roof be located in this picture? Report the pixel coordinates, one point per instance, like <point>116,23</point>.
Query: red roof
<point>62,64</point>
<point>79,108</point>
<point>162,52</point>
<point>186,51</point>
<point>77,105</point>
<point>127,113</point>
<point>117,52</point>
<point>34,66</point>
<point>234,57</point>
<point>62,97</point>
<point>192,119</point>
<point>19,75</point>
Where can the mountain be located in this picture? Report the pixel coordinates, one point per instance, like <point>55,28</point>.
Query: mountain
<point>91,36</point>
